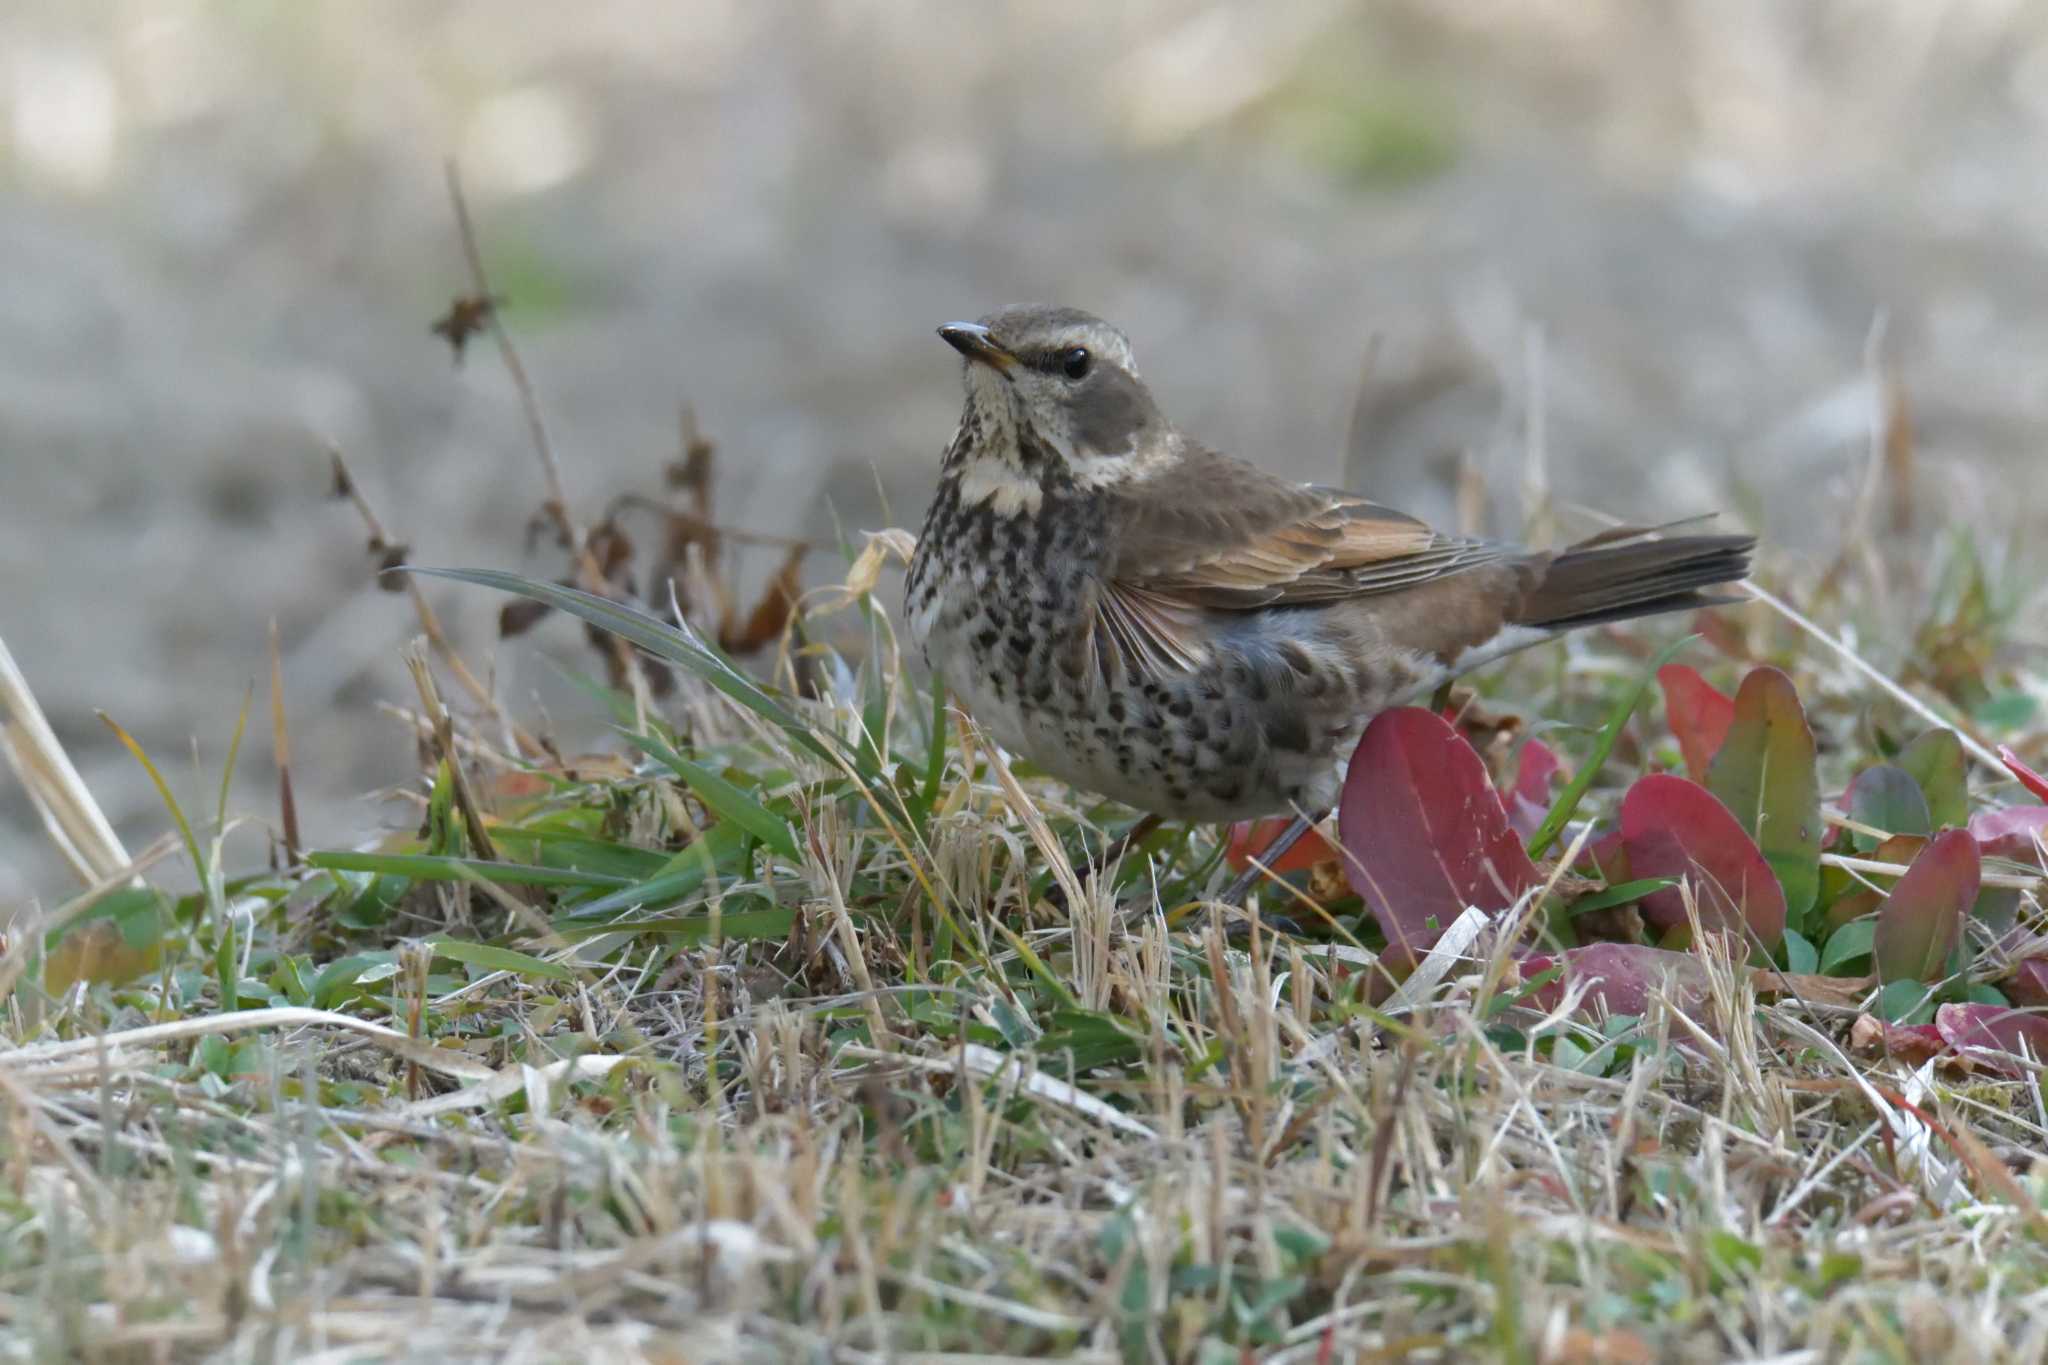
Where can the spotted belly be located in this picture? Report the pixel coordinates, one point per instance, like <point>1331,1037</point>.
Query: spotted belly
<point>1254,731</point>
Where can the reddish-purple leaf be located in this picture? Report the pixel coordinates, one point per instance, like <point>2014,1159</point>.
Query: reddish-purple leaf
<point>1765,774</point>
<point>1537,770</point>
<point>2029,779</point>
<point>2028,984</point>
<point>1674,828</point>
<point>1606,858</point>
<point>1913,1044</point>
<point>2017,832</point>
<point>1994,1035</point>
<point>1249,837</point>
<point>1921,921</point>
<point>1624,977</point>
<point>1424,830</point>
<point>1698,713</point>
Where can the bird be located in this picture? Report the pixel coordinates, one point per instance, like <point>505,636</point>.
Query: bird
<point>1154,621</point>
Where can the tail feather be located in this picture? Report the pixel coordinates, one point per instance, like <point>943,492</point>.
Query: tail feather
<point>1614,578</point>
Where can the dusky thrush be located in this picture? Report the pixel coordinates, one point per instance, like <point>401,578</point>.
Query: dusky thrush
<point>1151,620</point>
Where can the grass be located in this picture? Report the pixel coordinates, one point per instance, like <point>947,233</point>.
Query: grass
<point>769,1046</point>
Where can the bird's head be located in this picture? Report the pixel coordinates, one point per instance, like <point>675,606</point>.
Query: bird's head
<point>1057,383</point>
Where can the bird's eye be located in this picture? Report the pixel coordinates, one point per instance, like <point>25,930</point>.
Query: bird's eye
<point>1074,361</point>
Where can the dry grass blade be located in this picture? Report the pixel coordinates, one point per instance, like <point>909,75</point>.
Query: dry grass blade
<point>72,819</point>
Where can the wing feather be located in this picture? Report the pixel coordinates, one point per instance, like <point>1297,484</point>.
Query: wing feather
<point>1219,535</point>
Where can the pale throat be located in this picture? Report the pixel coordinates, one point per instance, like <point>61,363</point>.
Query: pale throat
<point>991,469</point>
<point>994,473</point>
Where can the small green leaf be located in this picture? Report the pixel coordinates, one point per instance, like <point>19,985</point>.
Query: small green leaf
<point>1937,763</point>
<point>2007,711</point>
<point>1839,1267</point>
<point>1801,957</point>
<point>1887,798</point>
<point>215,1055</point>
<point>357,969</point>
<point>1302,1245</point>
<point>364,900</point>
<point>1847,944</point>
<point>1733,1252</point>
<point>1905,1001</point>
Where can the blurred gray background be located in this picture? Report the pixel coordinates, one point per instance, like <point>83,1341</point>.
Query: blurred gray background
<point>1655,257</point>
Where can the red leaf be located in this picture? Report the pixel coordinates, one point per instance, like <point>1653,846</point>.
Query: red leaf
<point>1528,801</point>
<point>2017,832</point>
<point>2028,984</point>
<point>1424,830</point>
<point>1249,838</point>
<point>1624,977</point>
<point>1699,715</point>
<point>1606,859</point>
<point>1994,1035</point>
<point>2029,779</point>
<point>1674,828</point>
<point>1921,921</point>
<point>1913,1044</point>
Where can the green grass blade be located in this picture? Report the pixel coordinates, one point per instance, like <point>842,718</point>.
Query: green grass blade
<point>678,644</point>
<point>227,770</point>
<point>935,755</point>
<point>439,867</point>
<point>689,931</point>
<point>1619,894</point>
<point>1582,781</point>
<point>163,791</point>
<point>496,959</point>
<point>726,800</point>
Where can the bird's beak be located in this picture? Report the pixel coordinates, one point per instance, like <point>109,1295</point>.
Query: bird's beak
<point>972,340</point>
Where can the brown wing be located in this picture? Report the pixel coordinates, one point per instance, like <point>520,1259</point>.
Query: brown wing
<point>1221,534</point>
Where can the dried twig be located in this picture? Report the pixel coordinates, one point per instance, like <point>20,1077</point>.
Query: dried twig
<point>430,623</point>
<point>557,505</point>
<point>573,534</point>
<point>415,655</point>
<point>70,815</point>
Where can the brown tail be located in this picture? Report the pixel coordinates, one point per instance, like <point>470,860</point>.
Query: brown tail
<point>1618,575</point>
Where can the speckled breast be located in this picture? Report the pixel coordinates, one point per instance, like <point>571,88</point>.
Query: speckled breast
<point>1000,607</point>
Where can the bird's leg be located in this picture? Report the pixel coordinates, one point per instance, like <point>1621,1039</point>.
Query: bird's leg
<point>1274,852</point>
<point>1103,861</point>
<point>1118,847</point>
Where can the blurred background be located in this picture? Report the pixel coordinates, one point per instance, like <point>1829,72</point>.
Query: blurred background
<point>1643,258</point>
